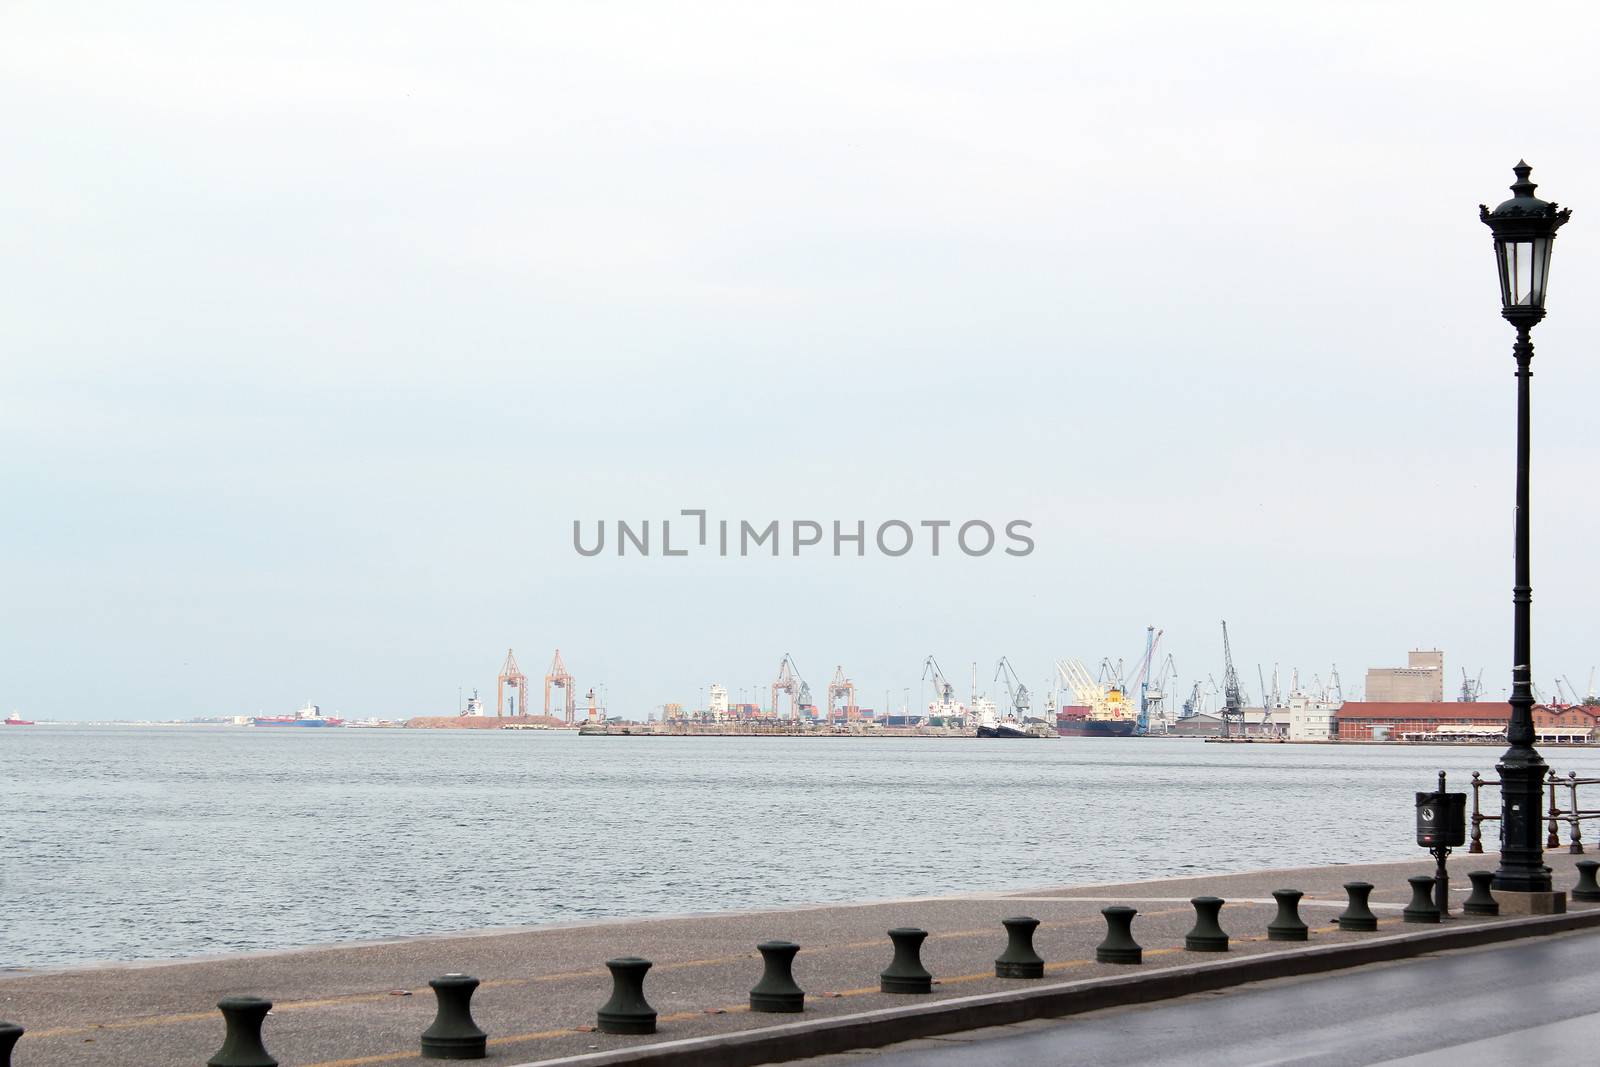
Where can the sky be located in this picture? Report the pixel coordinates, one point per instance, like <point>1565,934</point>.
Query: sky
<point>320,326</point>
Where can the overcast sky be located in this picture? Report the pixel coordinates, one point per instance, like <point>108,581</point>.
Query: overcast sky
<point>321,324</point>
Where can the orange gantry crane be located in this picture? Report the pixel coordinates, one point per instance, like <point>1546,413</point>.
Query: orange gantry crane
<point>560,678</point>
<point>511,675</point>
<point>842,686</point>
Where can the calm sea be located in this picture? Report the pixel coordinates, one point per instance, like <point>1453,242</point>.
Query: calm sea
<point>148,842</point>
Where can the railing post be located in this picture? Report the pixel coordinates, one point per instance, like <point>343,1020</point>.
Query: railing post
<point>1477,815</point>
<point>1576,848</point>
<point>1554,838</point>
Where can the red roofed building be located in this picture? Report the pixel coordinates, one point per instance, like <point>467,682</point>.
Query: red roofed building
<point>1393,720</point>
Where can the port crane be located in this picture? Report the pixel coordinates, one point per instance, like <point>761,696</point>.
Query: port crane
<point>511,677</point>
<point>559,678</point>
<point>1141,677</point>
<point>1191,706</point>
<point>1566,692</point>
<point>946,693</point>
<point>789,681</point>
<point>1085,690</point>
<point>1016,693</point>
<point>1157,715</point>
<point>841,686</point>
<point>1232,702</point>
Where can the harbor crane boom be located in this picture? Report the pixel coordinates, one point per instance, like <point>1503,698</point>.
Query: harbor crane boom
<point>941,684</point>
<point>789,681</point>
<point>1016,692</point>
<point>1152,638</point>
<point>1232,702</point>
<point>1572,689</point>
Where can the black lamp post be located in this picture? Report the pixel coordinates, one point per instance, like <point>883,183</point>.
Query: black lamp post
<point>1524,229</point>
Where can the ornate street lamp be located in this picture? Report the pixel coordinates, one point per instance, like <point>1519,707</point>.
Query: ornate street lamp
<point>1524,230</point>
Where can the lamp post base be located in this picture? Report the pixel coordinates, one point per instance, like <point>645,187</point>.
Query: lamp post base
<point>1512,903</point>
<point>1522,868</point>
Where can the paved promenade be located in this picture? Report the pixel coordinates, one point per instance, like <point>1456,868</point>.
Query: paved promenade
<point>355,1005</point>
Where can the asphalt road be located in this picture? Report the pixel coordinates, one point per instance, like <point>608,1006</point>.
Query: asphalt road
<point>1450,1009</point>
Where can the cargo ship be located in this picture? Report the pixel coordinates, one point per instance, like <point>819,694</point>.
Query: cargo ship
<point>17,720</point>
<point>1101,710</point>
<point>310,715</point>
<point>1076,720</point>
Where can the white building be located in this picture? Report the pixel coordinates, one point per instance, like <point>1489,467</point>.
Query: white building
<point>719,702</point>
<point>1311,720</point>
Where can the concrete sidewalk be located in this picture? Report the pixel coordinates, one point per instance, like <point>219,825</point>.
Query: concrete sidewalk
<point>345,1006</point>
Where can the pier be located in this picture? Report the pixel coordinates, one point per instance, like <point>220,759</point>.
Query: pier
<point>541,987</point>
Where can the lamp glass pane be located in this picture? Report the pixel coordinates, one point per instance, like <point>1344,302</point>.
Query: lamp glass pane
<point>1540,255</point>
<point>1519,270</point>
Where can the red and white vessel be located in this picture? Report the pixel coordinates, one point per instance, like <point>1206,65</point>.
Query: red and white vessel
<point>310,715</point>
<point>16,720</point>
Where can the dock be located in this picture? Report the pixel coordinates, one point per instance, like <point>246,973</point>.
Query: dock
<point>354,1005</point>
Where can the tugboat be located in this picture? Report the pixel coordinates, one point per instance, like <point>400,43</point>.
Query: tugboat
<point>15,719</point>
<point>1010,727</point>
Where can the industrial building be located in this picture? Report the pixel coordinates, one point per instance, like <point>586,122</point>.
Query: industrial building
<point>1402,720</point>
<point>1421,680</point>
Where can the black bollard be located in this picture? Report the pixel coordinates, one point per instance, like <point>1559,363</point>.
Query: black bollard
<point>1422,909</point>
<point>1357,916</point>
<point>1287,924</point>
<point>777,990</point>
<point>1119,945</point>
<point>906,973</point>
<point>1587,888</point>
<point>1481,901</point>
<point>453,1035</point>
<point>10,1033</point>
<point>1019,960</point>
<point>627,1012</point>
<point>1207,935</point>
<point>242,1046</point>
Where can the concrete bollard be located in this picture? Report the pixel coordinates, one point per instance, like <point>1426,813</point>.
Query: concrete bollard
<point>1422,909</point>
<point>1287,924</point>
<point>453,1035</point>
<point>1357,916</point>
<point>10,1034</point>
<point>906,973</point>
<point>1587,888</point>
<point>627,1012</point>
<point>777,990</point>
<point>1119,945</point>
<point>1481,901</point>
<point>1207,935</point>
<point>241,1046</point>
<point>1019,960</point>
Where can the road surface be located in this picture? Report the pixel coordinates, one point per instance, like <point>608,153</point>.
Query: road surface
<point>1527,1002</point>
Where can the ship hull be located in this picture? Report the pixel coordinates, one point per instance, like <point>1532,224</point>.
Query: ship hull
<point>1094,728</point>
<point>298,722</point>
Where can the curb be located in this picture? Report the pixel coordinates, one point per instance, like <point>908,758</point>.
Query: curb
<point>887,1026</point>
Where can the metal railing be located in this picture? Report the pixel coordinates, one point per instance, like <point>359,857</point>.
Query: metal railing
<point>1555,815</point>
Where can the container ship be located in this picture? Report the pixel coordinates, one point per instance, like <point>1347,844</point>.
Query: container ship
<point>310,715</point>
